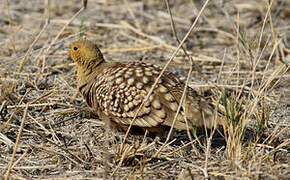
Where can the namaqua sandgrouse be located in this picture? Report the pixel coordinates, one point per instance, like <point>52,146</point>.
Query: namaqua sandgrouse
<point>115,90</point>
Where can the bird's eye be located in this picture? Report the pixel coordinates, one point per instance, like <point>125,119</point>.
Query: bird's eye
<point>75,48</point>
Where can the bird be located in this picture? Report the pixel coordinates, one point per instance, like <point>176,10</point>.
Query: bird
<point>114,90</point>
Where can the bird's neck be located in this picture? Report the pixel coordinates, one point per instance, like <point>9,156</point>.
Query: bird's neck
<point>86,72</point>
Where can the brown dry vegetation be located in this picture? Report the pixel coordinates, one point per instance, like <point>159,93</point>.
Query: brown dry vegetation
<point>240,48</point>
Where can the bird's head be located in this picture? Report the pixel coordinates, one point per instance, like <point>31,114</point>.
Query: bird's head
<point>85,53</point>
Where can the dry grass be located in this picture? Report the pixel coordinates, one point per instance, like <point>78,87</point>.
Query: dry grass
<point>240,52</point>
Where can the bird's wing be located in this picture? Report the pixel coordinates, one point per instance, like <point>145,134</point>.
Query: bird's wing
<point>119,91</point>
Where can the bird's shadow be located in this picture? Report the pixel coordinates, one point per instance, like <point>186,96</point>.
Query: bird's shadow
<point>218,140</point>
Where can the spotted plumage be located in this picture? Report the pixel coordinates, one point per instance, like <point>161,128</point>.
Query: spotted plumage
<point>115,90</point>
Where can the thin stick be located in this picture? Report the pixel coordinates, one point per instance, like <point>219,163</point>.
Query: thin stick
<point>30,105</point>
<point>180,148</point>
<point>108,25</point>
<point>263,27</point>
<point>273,31</point>
<point>17,142</point>
<point>221,68</point>
<point>206,158</point>
<point>132,49</point>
